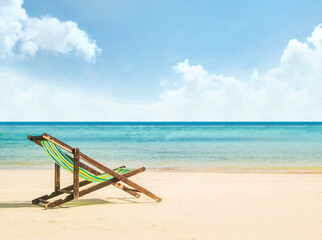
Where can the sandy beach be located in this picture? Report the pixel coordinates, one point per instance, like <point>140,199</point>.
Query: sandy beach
<point>195,206</point>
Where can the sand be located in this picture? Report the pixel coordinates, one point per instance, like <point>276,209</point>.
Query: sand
<point>195,205</point>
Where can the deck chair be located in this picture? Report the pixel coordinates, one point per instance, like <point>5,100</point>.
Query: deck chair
<point>56,150</point>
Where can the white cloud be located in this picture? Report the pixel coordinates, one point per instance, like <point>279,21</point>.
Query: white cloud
<point>24,99</point>
<point>289,92</point>
<point>23,36</point>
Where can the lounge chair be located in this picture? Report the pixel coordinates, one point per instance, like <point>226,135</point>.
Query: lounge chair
<point>54,148</point>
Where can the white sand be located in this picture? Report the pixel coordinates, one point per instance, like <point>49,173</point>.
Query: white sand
<point>195,206</point>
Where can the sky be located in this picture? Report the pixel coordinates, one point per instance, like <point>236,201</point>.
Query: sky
<point>160,60</point>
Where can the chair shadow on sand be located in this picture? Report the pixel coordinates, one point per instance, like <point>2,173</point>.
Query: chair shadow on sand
<point>75,203</point>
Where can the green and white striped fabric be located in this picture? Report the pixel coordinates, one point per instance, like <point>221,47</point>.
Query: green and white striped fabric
<point>56,154</point>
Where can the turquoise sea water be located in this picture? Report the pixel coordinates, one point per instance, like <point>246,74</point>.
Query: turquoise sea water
<point>186,146</point>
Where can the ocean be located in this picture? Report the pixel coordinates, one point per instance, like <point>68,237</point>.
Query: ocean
<point>187,146</point>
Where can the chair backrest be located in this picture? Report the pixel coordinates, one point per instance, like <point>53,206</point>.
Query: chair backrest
<point>60,158</point>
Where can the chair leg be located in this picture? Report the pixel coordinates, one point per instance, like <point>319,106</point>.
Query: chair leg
<point>76,173</point>
<point>137,187</point>
<point>125,189</point>
<point>57,177</point>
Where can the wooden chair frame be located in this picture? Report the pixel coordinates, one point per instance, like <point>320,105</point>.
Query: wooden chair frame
<point>73,190</point>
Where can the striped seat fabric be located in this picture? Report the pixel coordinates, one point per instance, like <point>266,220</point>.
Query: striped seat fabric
<point>56,153</point>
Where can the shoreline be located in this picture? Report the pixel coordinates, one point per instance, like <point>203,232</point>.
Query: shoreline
<point>282,170</point>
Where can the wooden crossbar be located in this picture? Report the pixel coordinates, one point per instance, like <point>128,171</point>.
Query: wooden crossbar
<point>65,191</point>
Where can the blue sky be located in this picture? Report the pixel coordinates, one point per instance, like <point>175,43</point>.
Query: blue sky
<point>140,46</point>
